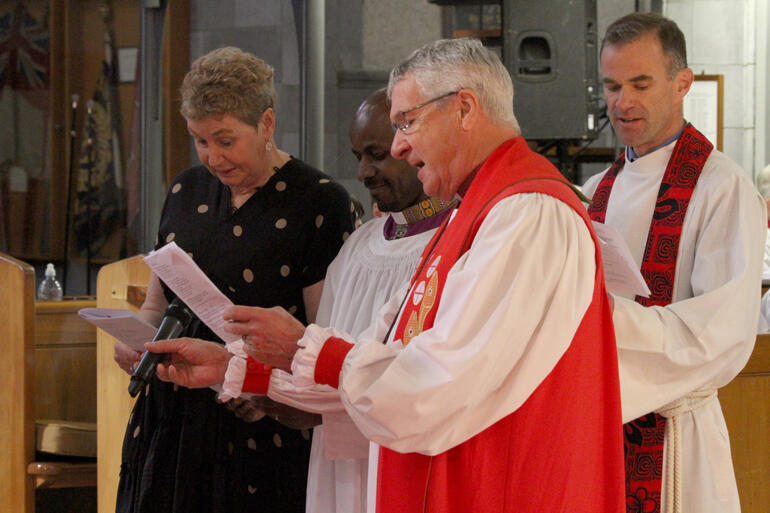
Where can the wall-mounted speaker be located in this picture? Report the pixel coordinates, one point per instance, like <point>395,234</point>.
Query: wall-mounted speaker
<point>550,49</point>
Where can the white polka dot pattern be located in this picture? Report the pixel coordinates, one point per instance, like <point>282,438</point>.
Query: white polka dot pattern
<point>281,224</point>
<point>170,237</point>
<point>319,220</point>
<point>248,275</point>
<point>251,444</point>
<point>277,440</point>
<point>176,188</point>
<point>237,230</point>
<point>280,186</point>
<point>202,209</point>
<point>137,430</point>
<point>285,270</point>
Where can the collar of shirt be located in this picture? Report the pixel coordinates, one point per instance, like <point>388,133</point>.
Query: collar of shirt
<point>632,156</point>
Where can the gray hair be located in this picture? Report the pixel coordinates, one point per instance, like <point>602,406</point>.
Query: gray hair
<point>632,26</point>
<point>453,64</point>
<point>763,182</point>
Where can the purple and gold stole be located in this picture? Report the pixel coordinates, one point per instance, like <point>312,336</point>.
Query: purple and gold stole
<point>643,437</point>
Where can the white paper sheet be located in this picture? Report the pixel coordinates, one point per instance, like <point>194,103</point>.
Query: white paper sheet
<point>621,274</point>
<point>124,325</point>
<point>183,276</point>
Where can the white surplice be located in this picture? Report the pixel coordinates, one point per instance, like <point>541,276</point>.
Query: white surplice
<point>361,279</point>
<point>705,336</point>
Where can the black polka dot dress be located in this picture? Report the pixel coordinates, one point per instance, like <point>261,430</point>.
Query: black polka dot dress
<point>183,452</point>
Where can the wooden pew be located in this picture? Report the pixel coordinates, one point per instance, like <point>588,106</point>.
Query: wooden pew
<point>17,407</point>
<point>51,390</point>
<point>122,284</point>
<point>746,406</point>
<point>65,393</point>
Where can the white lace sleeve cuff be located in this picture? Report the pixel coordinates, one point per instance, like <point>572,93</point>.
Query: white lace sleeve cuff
<point>235,374</point>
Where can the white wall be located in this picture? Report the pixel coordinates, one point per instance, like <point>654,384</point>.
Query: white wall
<point>721,39</point>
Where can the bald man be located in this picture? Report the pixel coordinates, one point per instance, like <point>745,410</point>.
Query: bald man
<point>375,261</point>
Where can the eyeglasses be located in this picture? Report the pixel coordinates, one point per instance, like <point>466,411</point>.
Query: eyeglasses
<point>404,125</point>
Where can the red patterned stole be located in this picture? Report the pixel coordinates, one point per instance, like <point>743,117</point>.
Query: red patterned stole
<point>643,440</point>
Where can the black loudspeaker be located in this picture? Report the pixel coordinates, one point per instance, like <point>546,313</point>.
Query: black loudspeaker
<point>550,48</point>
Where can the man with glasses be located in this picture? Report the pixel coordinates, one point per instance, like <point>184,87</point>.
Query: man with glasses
<point>490,382</point>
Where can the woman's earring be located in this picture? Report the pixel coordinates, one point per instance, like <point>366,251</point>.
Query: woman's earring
<point>269,146</point>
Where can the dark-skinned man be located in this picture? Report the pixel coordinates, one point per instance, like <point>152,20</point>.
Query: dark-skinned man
<point>375,261</point>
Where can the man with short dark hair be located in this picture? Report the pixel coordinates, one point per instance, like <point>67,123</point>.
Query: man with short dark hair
<point>694,224</point>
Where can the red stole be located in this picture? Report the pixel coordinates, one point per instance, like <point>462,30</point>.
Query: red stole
<point>643,440</point>
<point>560,450</point>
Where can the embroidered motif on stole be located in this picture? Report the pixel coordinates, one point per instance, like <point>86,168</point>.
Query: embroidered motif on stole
<point>643,437</point>
<point>424,297</point>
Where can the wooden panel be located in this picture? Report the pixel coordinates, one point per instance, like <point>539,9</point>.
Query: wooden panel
<point>65,383</point>
<point>60,123</point>
<point>17,422</point>
<point>65,362</point>
<point>58,323</point>
<point>114,403</point>
<point>746,406</point>
<point>176,59</point>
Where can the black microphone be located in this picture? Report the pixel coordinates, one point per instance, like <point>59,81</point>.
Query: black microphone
<point>176,319</point>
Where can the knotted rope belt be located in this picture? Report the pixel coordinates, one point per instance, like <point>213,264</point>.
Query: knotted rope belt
<point>673,454</point>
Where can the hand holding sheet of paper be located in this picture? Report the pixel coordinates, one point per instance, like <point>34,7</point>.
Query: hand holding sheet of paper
<point>183,276</point>
<point>621,274</point>
<point>124,325</point>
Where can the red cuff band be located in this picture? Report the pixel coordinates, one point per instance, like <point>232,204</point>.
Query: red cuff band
<point>257,377</point>
<point>329,362</point>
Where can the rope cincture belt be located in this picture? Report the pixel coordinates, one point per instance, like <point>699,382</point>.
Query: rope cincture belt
<point>673,454</point>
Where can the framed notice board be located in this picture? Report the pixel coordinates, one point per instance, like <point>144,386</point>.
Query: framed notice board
<point>703,106</point>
